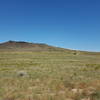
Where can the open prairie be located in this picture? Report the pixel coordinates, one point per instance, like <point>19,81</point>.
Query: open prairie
<point>49,75</point>
<point>66,69</point>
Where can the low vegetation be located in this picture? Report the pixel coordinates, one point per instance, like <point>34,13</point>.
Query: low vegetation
<point>49,75</point>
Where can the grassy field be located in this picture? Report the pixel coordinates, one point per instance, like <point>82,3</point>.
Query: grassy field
<point>49,75</point>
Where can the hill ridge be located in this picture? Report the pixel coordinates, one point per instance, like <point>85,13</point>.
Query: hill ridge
<point>27,46</point>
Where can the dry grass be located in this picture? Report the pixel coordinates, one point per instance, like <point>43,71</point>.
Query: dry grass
<point>49,76</point>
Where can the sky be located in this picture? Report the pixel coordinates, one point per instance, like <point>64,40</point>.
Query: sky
<point>73,24</point>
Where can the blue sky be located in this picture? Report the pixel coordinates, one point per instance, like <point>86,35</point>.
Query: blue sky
<point>73,24</point>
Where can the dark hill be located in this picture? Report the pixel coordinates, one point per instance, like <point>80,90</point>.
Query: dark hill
<point>26,46</point>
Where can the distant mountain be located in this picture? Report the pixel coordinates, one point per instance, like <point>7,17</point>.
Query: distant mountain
<point>37,47</point>
<point>26,46</point>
